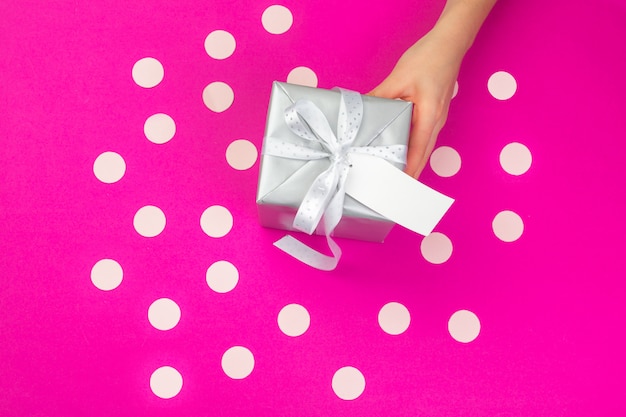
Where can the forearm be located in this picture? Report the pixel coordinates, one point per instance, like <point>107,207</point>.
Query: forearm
<point>460,22</point>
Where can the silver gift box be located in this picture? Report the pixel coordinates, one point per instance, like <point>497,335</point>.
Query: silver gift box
<point>284,182</point>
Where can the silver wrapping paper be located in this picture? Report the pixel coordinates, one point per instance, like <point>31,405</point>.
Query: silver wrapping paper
<point>284,182</point>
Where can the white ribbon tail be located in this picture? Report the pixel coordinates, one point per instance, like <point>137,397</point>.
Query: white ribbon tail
<point>332,216</point>
<point>309,256</point>
<point>316,200</point>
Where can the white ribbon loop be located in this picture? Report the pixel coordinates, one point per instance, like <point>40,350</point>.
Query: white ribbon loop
<point>306,120</point>
<point>292,151</point>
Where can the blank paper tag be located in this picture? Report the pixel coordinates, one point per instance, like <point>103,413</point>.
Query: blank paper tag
<point>399,197</point>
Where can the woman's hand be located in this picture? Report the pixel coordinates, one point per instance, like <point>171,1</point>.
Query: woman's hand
<point>426,74</point>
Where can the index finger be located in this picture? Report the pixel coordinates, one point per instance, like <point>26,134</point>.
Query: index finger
<point>423,126</point>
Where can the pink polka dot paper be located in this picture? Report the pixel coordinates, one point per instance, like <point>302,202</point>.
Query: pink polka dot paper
<point>137,280</point>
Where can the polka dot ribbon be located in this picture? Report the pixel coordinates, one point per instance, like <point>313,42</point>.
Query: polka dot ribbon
<point>326,194</point>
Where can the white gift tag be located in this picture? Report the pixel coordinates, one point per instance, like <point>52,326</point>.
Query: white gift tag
<point>399,197</point>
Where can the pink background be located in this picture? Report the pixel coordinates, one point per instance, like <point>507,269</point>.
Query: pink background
<point>551,304</point>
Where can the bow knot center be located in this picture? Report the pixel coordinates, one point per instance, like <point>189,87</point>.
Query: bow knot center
<point>341,156</point>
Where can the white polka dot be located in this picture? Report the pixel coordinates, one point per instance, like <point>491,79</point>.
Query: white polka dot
<point>219,44</point>
<point>515,158</point>
<point>394,318</point>
<point>445,161</point>
<point>502,85</point>
<point>508,226</point>
<point>149,221</point>
<point>147,72</point>
<point>166,382</point>
<point>294,320</point>
<point>241,154</point>
<point>277,19</point>
<point>455,91</point>
<point>222,277</point>
<point>238,362</point>
<point>464,326</point>
<point>218,96</point>
<point>302,76</point>
<point>216,221</point>
<point>107,274</point>
<point>109,167</point>
<point>159,128</point>
<point>348,383</point>
<point>436,248</point>
<point>164,314</point>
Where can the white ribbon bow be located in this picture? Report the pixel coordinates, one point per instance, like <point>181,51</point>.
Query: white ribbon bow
<point>326,194</point>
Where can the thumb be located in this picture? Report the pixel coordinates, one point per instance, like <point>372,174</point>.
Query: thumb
<point>385,90</point>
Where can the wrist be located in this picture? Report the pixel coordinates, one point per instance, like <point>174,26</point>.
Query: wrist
<point>460,22</point>
<point>452,45</point>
